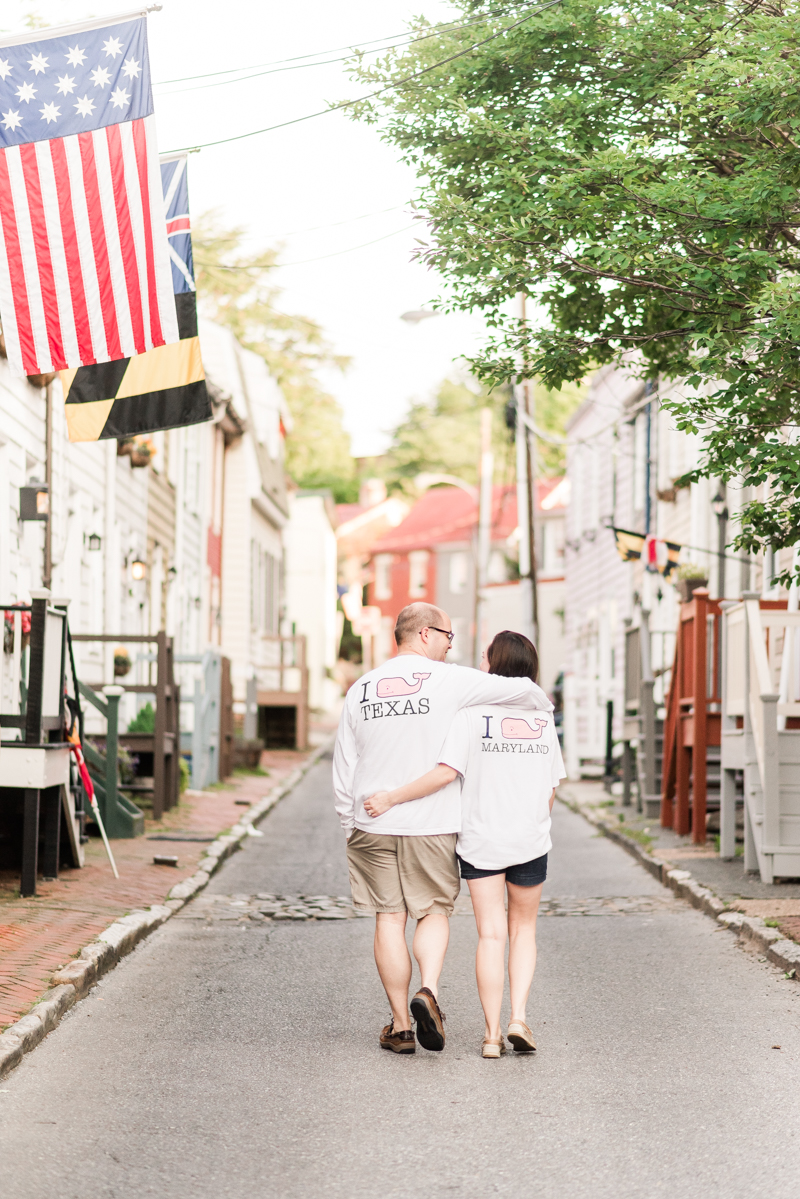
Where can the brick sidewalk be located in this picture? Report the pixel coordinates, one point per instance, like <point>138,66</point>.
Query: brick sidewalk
<point>38,935</point>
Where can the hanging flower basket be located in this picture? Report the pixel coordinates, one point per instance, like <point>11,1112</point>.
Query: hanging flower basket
<point>140,450</point>
<point>122,663</point>
<point>8,630</point>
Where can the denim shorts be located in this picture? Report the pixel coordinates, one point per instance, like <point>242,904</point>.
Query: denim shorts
<point>524,874</point>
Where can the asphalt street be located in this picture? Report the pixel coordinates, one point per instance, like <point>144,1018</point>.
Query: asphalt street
<point>231,1056</point>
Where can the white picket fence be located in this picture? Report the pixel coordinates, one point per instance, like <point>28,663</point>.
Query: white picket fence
<point>761,690</point>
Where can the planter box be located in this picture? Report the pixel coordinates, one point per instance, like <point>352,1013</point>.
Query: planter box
<point>687,587</point>
<point>247,754</point>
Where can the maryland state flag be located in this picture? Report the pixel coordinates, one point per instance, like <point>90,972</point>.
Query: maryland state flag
<point>629,545</point>
<point>165,387</point>
<point>668,557</point>
<point>660,555</point>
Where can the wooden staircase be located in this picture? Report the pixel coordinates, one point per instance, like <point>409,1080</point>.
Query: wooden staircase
<point>643,729</point>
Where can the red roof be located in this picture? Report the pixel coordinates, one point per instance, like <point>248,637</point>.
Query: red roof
<point>448,514</point>
<point>345,512</point>
<point>543,489</point>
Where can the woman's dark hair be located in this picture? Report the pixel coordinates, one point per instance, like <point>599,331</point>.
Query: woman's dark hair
<point>514,656</point>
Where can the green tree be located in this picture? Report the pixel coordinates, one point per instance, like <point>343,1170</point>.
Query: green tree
<point>635,169</point>
<point>236,289</point>
<point>442,435</point>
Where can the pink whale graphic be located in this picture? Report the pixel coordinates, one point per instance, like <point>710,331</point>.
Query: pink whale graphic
<point>515,728</point>
<point>390,687</point>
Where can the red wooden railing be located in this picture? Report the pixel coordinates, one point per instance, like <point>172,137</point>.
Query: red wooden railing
<point>694,714</point>
<point>693,718</point>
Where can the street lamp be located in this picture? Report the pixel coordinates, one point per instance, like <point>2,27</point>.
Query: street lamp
<point>426,480</point>
<point>720,509</point>
<point>416,315</point>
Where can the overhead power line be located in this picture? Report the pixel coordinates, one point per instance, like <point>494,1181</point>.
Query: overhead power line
<point>389,42</point>
<point>263,266</point>
<point>336,224</point>
<point>535,9</point>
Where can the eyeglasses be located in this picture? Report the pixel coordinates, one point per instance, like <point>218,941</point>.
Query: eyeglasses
<point>449,636</point>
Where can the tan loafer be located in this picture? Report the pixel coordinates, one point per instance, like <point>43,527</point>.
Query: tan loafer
<point>493,1048</point>
<point>521,1037</point>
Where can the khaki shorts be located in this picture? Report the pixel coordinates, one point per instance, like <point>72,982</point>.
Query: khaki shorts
<point>418,875</point>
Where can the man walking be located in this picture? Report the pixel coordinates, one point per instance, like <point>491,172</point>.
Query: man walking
<point>403,862</point>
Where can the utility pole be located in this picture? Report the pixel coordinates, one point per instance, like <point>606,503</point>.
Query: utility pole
<point>526,492</point>
<point>720,508</point>
<point>484,525</point>
<point>47,572</point>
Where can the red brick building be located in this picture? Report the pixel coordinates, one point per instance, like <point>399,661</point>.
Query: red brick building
<point>431,556</point>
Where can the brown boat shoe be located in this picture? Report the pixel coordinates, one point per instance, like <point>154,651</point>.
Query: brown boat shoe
<point>398,1042</point>
<point>430,1020</point>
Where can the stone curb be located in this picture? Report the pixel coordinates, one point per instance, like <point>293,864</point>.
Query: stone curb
<point>74,980</point>
<point>775,947</point>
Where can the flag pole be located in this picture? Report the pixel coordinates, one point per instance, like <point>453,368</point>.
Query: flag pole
<point>47,573</point>
<point>52,31</point>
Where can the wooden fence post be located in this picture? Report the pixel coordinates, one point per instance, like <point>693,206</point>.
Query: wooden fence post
<point>727,778</point>
<point>30,842</point>
<point>160,729</point>
<point>301,741</point>
<point>699,739</point>
<point>682,752</point>
<point>670,745</point>
<point>33,710</point>
<point>771,828</point>
<point>225,720</point>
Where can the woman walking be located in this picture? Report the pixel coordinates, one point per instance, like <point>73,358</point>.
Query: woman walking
<point>510,762</point>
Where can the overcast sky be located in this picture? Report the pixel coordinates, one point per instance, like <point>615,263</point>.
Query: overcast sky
<point>283,186</point>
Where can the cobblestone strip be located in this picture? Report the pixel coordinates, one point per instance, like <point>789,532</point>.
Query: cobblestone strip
<point>265,908</point>
<point>775,947</point>
<point>73,981</point>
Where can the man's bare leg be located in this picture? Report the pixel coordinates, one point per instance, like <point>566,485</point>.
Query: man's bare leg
<point>431,939</point>
<point>394,964</point>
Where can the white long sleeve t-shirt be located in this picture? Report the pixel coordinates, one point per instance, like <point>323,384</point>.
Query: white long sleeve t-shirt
<point>392,730</point>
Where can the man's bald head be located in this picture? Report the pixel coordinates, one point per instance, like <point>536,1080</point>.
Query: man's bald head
<point>415,617</point>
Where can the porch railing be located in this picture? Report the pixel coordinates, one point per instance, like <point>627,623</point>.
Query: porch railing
<point>761,734</point>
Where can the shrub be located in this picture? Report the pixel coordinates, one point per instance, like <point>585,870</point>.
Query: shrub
<point>144,721</point>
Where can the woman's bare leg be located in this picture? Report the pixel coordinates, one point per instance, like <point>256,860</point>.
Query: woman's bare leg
<point>488,902</point>
<point>523,908</point>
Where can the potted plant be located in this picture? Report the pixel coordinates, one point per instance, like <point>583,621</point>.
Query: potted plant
<point>690,577</point>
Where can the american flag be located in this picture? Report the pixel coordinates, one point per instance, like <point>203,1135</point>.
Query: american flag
<point>85,272</point>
